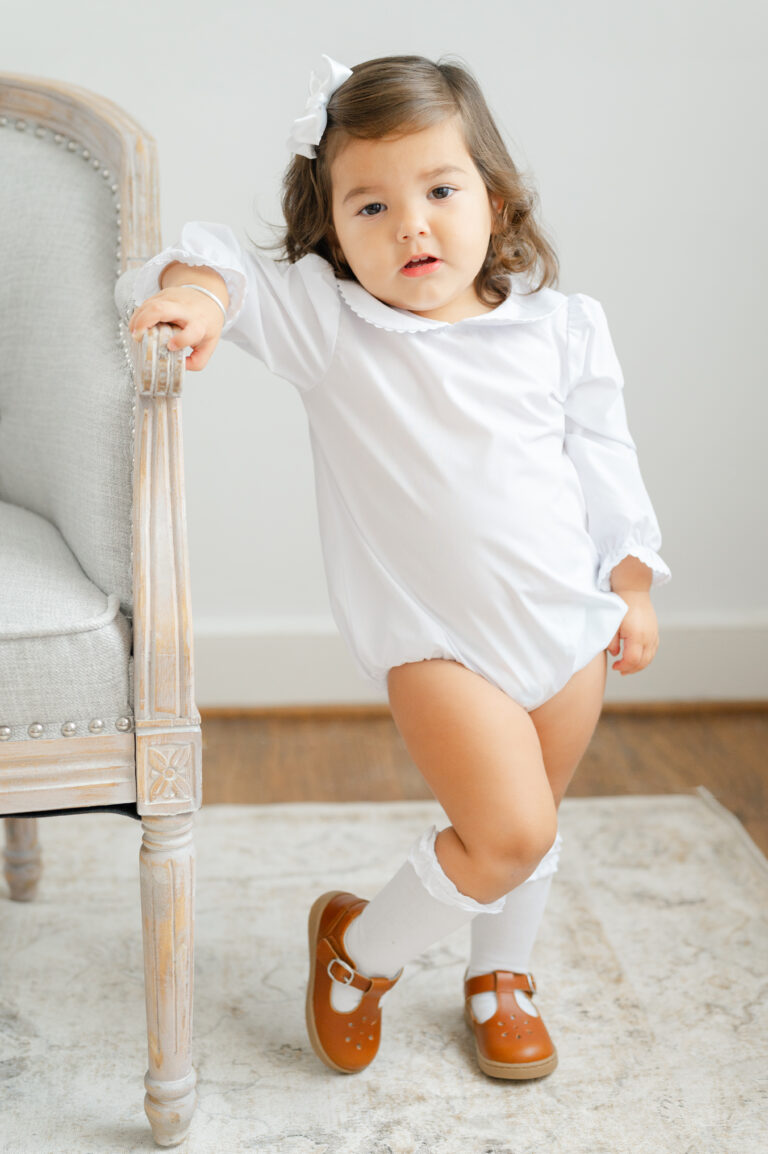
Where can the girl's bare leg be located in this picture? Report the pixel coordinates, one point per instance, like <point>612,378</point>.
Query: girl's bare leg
<point>505,941</point>
<point>499,772</point>
<point>565,724</point>
<point>479,752</point>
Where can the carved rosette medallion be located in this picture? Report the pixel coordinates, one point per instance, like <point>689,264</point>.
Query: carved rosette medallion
<point>170,772</point>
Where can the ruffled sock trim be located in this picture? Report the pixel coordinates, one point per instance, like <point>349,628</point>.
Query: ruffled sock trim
<point>430,873</point>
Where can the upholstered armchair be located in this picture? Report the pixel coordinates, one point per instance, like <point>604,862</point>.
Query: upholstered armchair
<point>97,706</point>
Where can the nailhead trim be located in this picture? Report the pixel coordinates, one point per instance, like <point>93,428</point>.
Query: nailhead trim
<point>36,729</point>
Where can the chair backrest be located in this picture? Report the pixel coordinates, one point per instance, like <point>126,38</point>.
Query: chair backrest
<point>78,205</point>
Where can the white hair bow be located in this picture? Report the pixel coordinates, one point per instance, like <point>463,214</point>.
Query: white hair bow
<point>307,130</point>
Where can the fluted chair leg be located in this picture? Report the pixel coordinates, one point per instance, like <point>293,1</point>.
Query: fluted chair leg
<point>23,860</point>
<point>167,905</point>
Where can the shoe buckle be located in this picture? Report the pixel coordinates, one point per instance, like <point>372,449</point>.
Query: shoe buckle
<point>349,973</point>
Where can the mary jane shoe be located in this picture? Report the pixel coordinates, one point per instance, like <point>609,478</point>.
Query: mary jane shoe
<point>512,1044</point>
<point>348,1041</point>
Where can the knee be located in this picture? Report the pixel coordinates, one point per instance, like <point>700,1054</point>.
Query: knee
<point>545,842</point>
<point>534,841</point>
<point>514,853</point>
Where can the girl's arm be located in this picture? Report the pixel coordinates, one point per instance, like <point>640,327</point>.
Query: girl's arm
<point>620,517</point>
<point>198,318</point>
<point>631,576</point>
<point>177,273</point>
<point>286,315</point>
<point>639,629</point>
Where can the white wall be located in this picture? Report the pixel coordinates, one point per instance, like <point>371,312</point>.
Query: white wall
<point>641,125</point>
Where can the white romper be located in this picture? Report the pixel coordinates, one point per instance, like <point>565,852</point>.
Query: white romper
<point>476,482</point>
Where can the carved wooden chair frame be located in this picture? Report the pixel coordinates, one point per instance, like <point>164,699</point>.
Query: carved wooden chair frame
<point>156,765</point>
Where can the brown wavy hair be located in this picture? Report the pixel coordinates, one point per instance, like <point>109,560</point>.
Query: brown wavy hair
<point>395,95</point>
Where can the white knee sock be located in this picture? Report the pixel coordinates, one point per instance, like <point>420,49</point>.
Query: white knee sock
<point>419,906</point>
<point>505,941</point>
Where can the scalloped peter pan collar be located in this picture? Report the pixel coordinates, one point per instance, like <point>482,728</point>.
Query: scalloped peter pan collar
<point>517,308</point>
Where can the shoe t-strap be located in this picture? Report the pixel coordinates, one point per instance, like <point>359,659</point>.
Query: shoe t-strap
<point>501,980</point>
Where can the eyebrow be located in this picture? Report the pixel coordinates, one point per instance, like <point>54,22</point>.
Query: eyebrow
<point>364,189</point>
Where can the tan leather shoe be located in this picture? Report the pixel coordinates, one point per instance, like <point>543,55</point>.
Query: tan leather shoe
<point>349,1041</point>
<point>511,1044</point>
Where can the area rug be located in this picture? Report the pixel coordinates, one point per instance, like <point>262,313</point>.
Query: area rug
<point>652,966</point>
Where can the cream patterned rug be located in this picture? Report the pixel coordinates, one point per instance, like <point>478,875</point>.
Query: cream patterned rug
<point>652,966</point>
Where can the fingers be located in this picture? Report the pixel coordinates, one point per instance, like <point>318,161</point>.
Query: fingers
<point>631,657</point>
<point>190,331</point>
<point>193,334</point>
<point>196,317</point>
<point>190,334</point>
<point>194,328</point>
<point>202,350</point>
<point>639,632</point>
<point>636,656</point>
<point>157,311</point>
<point>200,356</point>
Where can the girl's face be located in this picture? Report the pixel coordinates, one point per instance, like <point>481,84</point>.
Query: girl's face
<point>413,218</point>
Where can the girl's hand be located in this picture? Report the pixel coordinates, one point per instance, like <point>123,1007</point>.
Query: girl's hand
<point>639,631</point>
<point>199,321</point>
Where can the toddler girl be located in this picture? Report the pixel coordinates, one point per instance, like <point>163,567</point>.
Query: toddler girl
<point>485,528</point>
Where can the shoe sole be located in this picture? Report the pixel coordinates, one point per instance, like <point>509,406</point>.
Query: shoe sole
<point>315,914</point>
<point>513,1071</point>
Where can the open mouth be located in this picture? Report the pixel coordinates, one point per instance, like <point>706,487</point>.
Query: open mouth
<point>421,265</point>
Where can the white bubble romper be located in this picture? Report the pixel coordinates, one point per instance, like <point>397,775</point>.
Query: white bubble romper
<point>476,482</point>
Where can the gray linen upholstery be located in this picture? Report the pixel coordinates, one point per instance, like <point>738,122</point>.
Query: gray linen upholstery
<point>66,389</point>
<point>64,645</point>
<point>66,445</point>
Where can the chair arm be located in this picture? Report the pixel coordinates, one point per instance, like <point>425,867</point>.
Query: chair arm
<point>159,370</point>
<point>166,717</point>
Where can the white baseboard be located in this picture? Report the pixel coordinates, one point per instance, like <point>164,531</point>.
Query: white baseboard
<point>300,664</point>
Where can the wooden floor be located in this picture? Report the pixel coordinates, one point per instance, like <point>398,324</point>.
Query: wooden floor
<point>358,755</point>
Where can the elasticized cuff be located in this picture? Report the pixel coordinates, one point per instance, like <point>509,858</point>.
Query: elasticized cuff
<point>147,283</point>
<point>423,858</point>
<point>649,557</point>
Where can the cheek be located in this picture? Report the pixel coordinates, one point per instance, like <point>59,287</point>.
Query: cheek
<point>474,239</point>
<point>484,224</point>
<point>361,249</point>
<point>483,239</point>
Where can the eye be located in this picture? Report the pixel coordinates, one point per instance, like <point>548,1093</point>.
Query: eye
<point>443,191</point>
<point>376,207</point>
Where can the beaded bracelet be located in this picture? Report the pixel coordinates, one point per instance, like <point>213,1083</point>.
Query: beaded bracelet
<point>208,293</point>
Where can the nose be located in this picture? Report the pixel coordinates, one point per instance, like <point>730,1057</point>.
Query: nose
<point>413,222</point>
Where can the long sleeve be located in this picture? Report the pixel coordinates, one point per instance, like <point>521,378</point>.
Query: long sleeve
<point>620,516</point>
<point>285,315</point>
